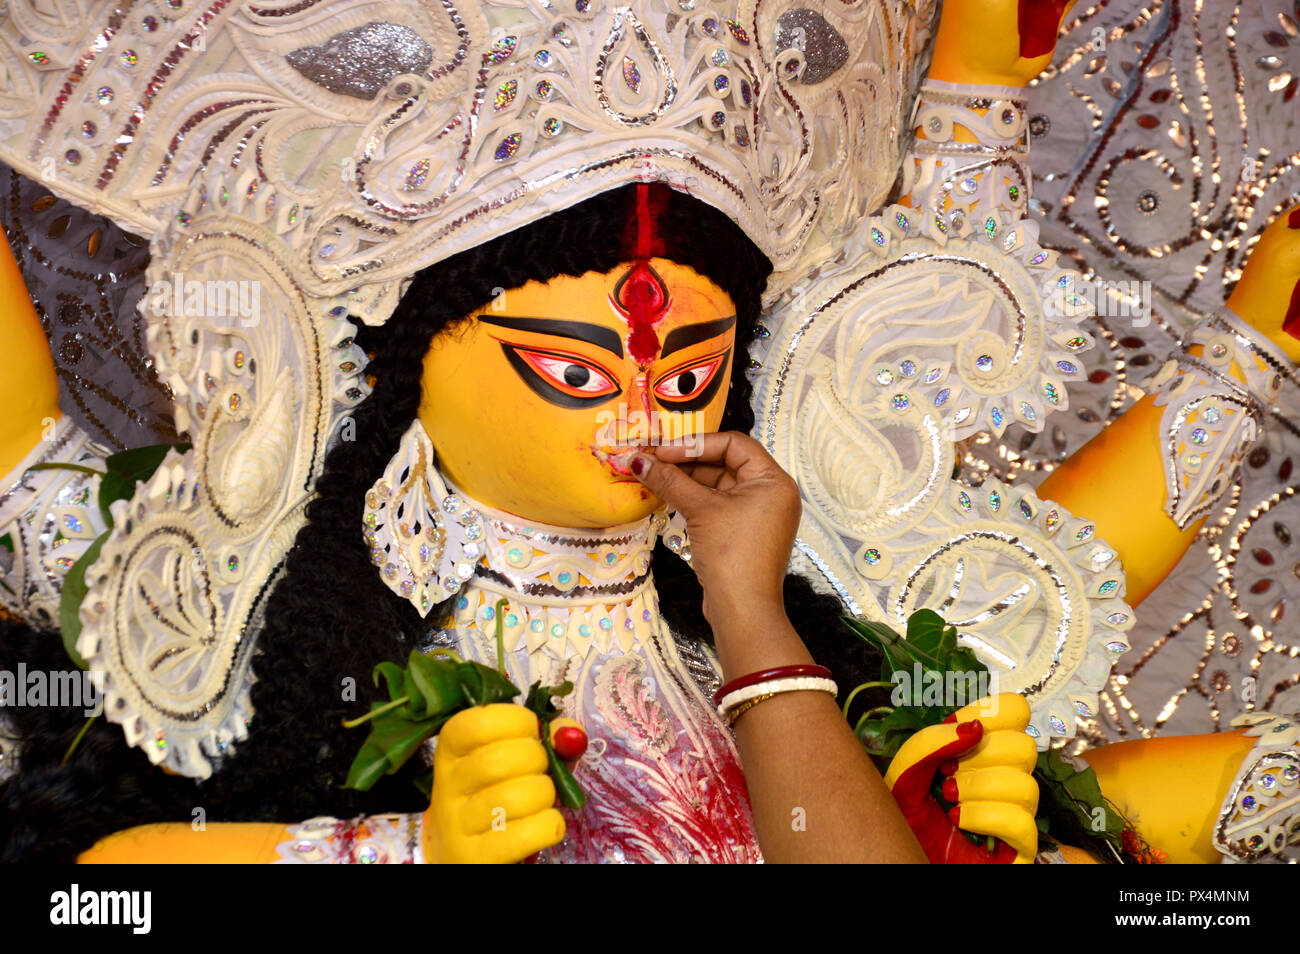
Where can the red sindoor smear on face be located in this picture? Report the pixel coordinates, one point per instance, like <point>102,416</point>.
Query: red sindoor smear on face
<point>1038,22</point>
<point>643,298</point>
<point>641,295</point>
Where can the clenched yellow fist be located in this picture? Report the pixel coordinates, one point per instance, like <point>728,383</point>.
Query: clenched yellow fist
<point>493,801</point>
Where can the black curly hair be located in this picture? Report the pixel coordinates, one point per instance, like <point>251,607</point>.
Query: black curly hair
<point>330,616</point>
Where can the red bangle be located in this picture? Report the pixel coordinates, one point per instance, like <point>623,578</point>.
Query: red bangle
<point>780,672</point>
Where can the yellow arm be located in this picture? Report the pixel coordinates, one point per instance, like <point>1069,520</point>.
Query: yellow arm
<point>1170,788</point>
<point>29,390</point>
<point>1118,478</point>
<point>178,843</point>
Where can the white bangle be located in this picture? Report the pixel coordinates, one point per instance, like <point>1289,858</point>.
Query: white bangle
<point>774,687</point>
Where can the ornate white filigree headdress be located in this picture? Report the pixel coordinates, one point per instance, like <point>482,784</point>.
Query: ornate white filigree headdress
<point>293,162</point>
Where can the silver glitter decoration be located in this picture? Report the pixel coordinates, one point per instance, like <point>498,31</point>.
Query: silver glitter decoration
<point>360,62</point>
<point>823,48</point>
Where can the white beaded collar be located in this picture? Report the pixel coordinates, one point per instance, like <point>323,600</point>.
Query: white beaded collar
<point>567,589</point>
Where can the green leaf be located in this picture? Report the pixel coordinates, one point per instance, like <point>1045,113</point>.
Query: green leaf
<point>1072,797</point>
<point>541,699</point>
<point>489,685</point>
<point>963,659</point>
<point>401,737</point>
<point>566,786</point>
<point>74,592</point>
<point>394,676</point>
<point>929,635</point>
<point>113,487</point>
<point>368,767</point>
<point>891,646</point>
<point>127,468</point>
<point>433,685</point>
<point>392,741</point>
<point>424,782</point>
<point>141,463</point>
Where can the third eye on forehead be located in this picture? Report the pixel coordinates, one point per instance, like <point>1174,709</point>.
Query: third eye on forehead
<point>609,339</point>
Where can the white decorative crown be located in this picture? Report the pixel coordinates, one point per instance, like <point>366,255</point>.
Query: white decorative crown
<point>293,162</point>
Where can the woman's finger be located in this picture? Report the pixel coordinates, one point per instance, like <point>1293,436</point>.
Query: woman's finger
<point>739,453</point>
<point>671,485</point>
<point>707,474</point>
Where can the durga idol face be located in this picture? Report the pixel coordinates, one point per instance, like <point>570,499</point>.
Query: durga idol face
<point>534,403</point>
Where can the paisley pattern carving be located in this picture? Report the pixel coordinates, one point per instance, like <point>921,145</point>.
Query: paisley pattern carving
<point>929,332</point>
<point>822,50</point>
<point>153,622</point>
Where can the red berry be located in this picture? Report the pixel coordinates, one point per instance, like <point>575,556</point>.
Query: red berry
<point>569,742</point>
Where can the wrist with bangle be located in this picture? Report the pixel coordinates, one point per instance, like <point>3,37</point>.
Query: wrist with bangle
<point>740,695</point>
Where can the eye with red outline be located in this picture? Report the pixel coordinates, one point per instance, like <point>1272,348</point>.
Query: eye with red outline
<point>692,386</point>
<point>565,379</point>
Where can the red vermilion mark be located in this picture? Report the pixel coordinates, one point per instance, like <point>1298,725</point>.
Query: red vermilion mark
<point>1293,220</point>
<point>1038,22</point>
<point>642,299</point>
<point>641,296</point>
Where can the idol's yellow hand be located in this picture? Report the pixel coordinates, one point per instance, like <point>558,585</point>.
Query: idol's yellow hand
<point>993,784</point>
<point>996,42</point>
<point>493,801</point>
<point>989,759</point>
<point>1268,295</point>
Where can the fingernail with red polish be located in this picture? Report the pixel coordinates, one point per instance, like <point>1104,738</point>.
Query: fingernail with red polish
<point>948,767</point>
<point>640,465</point>
<point>954,815</point>
<point>950,789</point>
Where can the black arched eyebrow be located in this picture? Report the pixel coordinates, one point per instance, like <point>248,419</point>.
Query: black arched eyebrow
<point>598,335</point>
<point>688,335</point>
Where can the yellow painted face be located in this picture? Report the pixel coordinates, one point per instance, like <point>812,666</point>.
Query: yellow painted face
<point>525,402</point>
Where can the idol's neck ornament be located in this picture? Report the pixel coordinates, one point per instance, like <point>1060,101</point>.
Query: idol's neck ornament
<point>430,541</point>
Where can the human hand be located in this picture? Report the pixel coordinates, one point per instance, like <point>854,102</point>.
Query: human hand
<point>988,760</point>
<point>493,801</point>
<point>1268,295</point>
<point>996,42</point>
<point>741,511</point>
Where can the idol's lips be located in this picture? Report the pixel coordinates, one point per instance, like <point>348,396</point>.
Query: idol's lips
<point>617,459</point>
